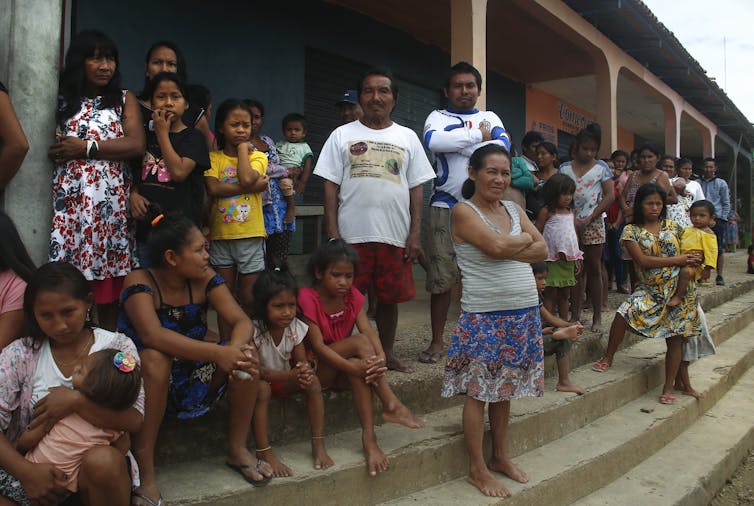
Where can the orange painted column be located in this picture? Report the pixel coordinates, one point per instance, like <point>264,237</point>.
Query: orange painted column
<point>468,37</point>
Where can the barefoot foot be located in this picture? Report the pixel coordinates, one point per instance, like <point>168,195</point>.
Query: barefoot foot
<point>674,301</point>
<point>597,326</point>
<point>567,386</point>
<point>394,364</point>
<point>488,485</point>
<point>319,455</point>
<point>401,415</point>
<point>377,462</point>
<point>279,469</point>
<point>571,332</point>
<point>508,468</point>
<point>693,393</point>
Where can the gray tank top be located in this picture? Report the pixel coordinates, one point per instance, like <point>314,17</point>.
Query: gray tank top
<point>494,285</point>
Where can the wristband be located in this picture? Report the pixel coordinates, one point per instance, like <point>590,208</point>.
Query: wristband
<point>92,148</point>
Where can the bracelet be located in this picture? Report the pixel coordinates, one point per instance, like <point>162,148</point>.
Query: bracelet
<point>319,437</point>
<point>259,450</point>
<point>92,148</point>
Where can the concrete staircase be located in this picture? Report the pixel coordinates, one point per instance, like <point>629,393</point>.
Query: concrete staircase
<point>614,445</point>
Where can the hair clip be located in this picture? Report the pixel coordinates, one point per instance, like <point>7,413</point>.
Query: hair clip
<point>124,361</point>
<point>157,219</point>
<point>276,269</point>
<point>332,239</point>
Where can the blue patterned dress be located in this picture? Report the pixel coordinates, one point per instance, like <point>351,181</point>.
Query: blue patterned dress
<point>189,394</point>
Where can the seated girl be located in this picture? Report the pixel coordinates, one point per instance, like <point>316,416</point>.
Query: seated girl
<point>280,340</point>
<point>164,311</point>
<point>36,376</point>
<point>332,307</point>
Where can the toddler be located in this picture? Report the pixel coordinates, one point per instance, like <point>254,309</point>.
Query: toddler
<point>557,334</point>
<point>700,239</point>
<point>111,379</point>
<point>296,156</point>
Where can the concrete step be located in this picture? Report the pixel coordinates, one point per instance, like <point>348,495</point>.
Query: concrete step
<point>691,469</point>
<point>591,457</point>
<point>425,457</point>
<point>205,437</point>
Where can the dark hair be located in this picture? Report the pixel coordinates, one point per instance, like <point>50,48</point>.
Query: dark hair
<point>750,249</point>
<point>171,232</point>
<point>710,159</point>
<point>85,45</point>
<point>58,277</point>
<point>592,132</point>
<point>13,254</point>
<point>250,102</point>
<point>649,146</point>
<point>684,161</point>
<point>549,147</point>
<point>539,267</point>
<point>294,117</point>
<point>199,96</point>
<point>166,76</point>
<point>667,157</point>
<point>270,283</point>
<point>221,115</point>
<point>334,250</point>
<point>618,153</point>
<point>559,184</point>
<point>463,67</point>
<point>180,64</point>
<point>531,137</point>
<point>108,386</point>
<point>379,71</point>
<point>642,193</point>
<point>709,206</point>
<point>477,160</point>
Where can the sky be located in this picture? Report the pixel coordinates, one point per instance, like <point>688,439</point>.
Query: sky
<point>700,26</point>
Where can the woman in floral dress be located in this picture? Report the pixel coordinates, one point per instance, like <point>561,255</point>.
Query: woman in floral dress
<point>98,128</point>
<point>654,243</point>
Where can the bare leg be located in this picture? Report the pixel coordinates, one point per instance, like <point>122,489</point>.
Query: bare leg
<point>155,373</point>
<point>393,410</point>
<point>290,209</point>
<point>577,294</point>
<point>245,287</point>
<point>242,399</point>
<point>563,303</point>
<point>229,275</point>
<point>605,286</point>
<point>592,266</point>
<point>316,409</point>
<point>260,423</point>
<point>672,362</point>
<point>684,276</point>
<point>439,303</point>
<point>617,333</point>
<point>387,323</point>
<point>564,382</point>
<point>683,381</point>
<point>376,460</point>
<point>499,414</point>
<point>473,433</point>
<point>103,478</point>
<point>720,264</point>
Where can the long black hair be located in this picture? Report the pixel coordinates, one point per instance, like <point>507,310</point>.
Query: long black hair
<point>644,191</point>
<point>87,44</point>
<point>171,232</point>
<point>13,254</point>
<point>222,113</point>
<point>476,161</point>
<point>270,283</point>
<point>334,250</point>
<point>559,184</point>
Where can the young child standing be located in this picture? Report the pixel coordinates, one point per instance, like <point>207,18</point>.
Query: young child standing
<point>296,156</point>
<point>556,222</point>
<point>235,179</point>
<point>557,334</point>
<point>698,239</point>
<point>280,337</point>
<point>109,378</point>
<point>332,307</point>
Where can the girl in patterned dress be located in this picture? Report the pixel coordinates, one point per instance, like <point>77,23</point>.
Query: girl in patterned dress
<point>496,352</point>
<point>654,243</point>
<point>164,311</point>
<point>98,129</point>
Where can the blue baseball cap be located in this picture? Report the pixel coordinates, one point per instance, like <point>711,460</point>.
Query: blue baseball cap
<point>349,97</point>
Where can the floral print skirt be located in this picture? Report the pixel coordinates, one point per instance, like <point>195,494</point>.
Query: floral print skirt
<point>496,356</point>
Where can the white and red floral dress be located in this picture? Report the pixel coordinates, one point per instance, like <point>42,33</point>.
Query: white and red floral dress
<point>90,225</point>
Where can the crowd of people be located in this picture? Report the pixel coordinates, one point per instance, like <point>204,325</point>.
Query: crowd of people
<point>157,217</point>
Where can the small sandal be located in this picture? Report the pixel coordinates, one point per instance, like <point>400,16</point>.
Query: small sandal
<point>242,467</point>
<point>667,399</point>
<point>601,366</point>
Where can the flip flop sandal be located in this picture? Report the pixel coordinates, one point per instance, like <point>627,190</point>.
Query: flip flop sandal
<point>426,357</point>
<point>146,499</point>
<point>667,399</point>
<point>601,366</point>
<point>240,468</point>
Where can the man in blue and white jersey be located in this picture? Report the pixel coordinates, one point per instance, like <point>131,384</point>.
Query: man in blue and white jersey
<point>452,135</point>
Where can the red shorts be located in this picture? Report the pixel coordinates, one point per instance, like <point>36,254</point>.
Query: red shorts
<point>277,390</point>
<point>108,290</point>
<point>384,266</point>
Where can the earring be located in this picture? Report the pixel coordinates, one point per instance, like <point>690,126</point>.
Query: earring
<point>89,314</point>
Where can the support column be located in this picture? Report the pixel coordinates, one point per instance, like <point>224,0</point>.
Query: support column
<point>468,38</point>
<point>607,104</point>
<point>708,143</point>
<point>672,120</point>
<point>31,44</point>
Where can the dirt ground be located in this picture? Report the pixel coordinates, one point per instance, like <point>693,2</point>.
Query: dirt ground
<point>739,489</point>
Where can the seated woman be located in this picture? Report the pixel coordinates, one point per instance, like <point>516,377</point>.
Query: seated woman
<point>36,380</point>
<point>164,311</point>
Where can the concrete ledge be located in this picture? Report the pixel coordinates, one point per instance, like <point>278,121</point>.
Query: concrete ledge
<point>425,457</point>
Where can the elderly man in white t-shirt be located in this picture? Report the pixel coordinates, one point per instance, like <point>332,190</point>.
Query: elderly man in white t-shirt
<point>374,170</point>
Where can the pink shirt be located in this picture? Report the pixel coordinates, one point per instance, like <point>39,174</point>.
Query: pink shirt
<point>11,291</point>
<point>334,326</point>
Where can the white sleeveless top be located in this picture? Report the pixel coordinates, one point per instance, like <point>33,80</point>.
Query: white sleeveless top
<point>490,284</point>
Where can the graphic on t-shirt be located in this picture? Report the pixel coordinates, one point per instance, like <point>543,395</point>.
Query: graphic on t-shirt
<point>381,160</point>
<point>153,166</point>
<point>230,207</point>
